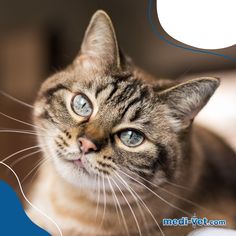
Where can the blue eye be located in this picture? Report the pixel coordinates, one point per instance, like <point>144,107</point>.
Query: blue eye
<point>81,105</point>
<point>131,138</point>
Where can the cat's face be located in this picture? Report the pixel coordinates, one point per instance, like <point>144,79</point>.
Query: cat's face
<point>99,119</point>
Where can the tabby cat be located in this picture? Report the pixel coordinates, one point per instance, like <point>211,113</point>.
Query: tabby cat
<point>121,152</point>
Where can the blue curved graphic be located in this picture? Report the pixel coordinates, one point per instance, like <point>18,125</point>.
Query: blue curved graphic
<point>153,26</point>
<point>13,219</point>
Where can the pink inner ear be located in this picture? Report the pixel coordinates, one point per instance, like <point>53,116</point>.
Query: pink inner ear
<point>193,111</point>
<point>188,118</point>
<point>88,62</point>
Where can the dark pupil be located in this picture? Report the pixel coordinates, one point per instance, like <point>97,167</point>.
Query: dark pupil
<point>131,138</point>
<point>83,104</point>
<point>130,134</point>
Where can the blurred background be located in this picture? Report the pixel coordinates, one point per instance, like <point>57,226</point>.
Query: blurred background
<point>38,38</point>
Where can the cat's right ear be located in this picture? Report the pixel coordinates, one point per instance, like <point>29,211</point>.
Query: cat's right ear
<point>186,99</point>
<point>99,50</point>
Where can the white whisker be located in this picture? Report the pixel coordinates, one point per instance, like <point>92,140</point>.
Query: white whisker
<point>35,167</point>
<point>98,193</point>
<point>136,200</point>
<point>140,199</point>
<point>114,200</point>
<point>161,198</point>
<point>131,209</point>
<point>169,192</point>
<point>23,157</point>
<point>33,176</point>
<point>16,99</point>
<point>104,202</point>
<point>23,132</point>
<point>22,122</point>
<point>20,151</point>
<point>119,206</point>
<point>178,186</point>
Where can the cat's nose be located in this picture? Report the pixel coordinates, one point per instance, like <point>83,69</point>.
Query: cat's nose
<point>86,145</point>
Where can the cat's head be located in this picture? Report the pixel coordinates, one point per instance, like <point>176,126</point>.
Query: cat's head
<point>100,117</point>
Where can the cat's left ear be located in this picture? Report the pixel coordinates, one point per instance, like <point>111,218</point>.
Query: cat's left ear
<point>99,48</point>
<point>186,99</point>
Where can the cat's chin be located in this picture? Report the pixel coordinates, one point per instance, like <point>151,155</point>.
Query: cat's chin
<point>75,173</point>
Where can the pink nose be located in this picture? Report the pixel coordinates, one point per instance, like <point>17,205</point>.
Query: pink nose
<point>86,145</point>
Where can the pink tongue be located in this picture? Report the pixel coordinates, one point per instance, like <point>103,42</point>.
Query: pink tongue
<point>79,163</point>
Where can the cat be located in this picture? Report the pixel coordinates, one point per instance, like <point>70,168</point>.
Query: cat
<point>121,151</point>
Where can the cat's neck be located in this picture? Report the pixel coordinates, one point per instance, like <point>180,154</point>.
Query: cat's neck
<point>81,206</point>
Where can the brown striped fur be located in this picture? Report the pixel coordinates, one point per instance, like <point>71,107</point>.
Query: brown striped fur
<point>174,153</point>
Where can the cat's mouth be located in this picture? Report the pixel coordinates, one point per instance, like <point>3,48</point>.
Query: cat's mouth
<point>74,158</point>
<point>79,163</point>
<point>82,163</point>
<point>77,160</point>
